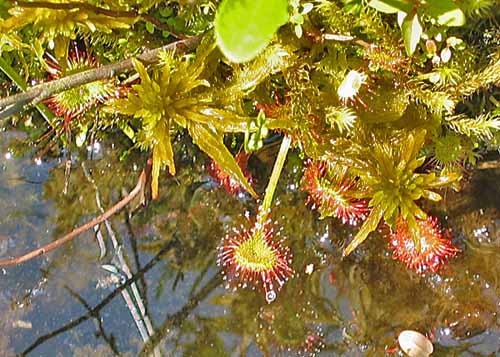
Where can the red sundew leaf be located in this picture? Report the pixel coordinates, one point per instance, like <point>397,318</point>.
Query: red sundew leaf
<point>255,258</point>
<point>426,249</point>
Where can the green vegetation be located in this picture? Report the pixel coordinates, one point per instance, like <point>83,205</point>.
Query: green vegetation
<point>402,96</point>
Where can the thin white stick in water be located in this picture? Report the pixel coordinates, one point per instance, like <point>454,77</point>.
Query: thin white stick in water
<point>140,317</point>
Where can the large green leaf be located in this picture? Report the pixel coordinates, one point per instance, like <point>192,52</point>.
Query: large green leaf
<point>412,30</point>
<point>446,12</point>
<point>243,28</point>
<point>211,143</point>
<point>391,6</point>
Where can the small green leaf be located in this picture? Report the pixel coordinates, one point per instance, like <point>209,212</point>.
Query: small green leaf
<point>412,30</point>
<point>163,155</point>
<point>391,6</point>
<point>432,196</point>
<point>369,226</point>
<point>139,67</point>
<point>353,7</point>
<point>150,27</point>
<point>243,28</point>
<point>445,180</point>
<point>127,130</point>
<point>211,143</point>
<point>254,141</point>
<point>446,12</point>
<point>297,19</point>
<point>155,172</point>
<point>166,12</point>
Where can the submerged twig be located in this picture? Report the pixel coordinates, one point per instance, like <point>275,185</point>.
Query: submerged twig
<point>139,187</point>
<point>104,302</point>
<point>489,165</point>
<point>176,319</point>
<point>97,317</point>
<point>67,164</point>
<point>134,302</point>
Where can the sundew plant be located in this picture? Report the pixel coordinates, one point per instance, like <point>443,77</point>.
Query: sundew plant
<point>387,104</point>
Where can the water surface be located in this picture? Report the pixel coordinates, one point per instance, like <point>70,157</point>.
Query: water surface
<point>79,300</point>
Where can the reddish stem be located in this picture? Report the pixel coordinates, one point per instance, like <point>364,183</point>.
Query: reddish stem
<point>139,187</point>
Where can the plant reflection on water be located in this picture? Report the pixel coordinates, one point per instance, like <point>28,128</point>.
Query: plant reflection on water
<point>330,306</point>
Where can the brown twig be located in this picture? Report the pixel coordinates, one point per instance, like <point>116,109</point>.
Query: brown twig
<point>14,103</point>
<point>489,165</point>
<point>139,187</point>
<point>317,36</point>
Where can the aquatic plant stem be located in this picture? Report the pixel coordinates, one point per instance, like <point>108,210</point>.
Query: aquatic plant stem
<point>139,314</point>
<point>139,187</point>
<point>34,95</point>
<point>273,180</point>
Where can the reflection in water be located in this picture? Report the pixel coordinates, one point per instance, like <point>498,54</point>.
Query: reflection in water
<point>94,313</point>
<point>65,303</point>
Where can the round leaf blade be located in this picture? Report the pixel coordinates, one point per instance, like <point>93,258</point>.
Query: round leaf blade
<point>243,28</point>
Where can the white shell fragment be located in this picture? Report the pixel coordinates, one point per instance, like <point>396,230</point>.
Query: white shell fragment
<point>414,344</point>
<point>309,269</point>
